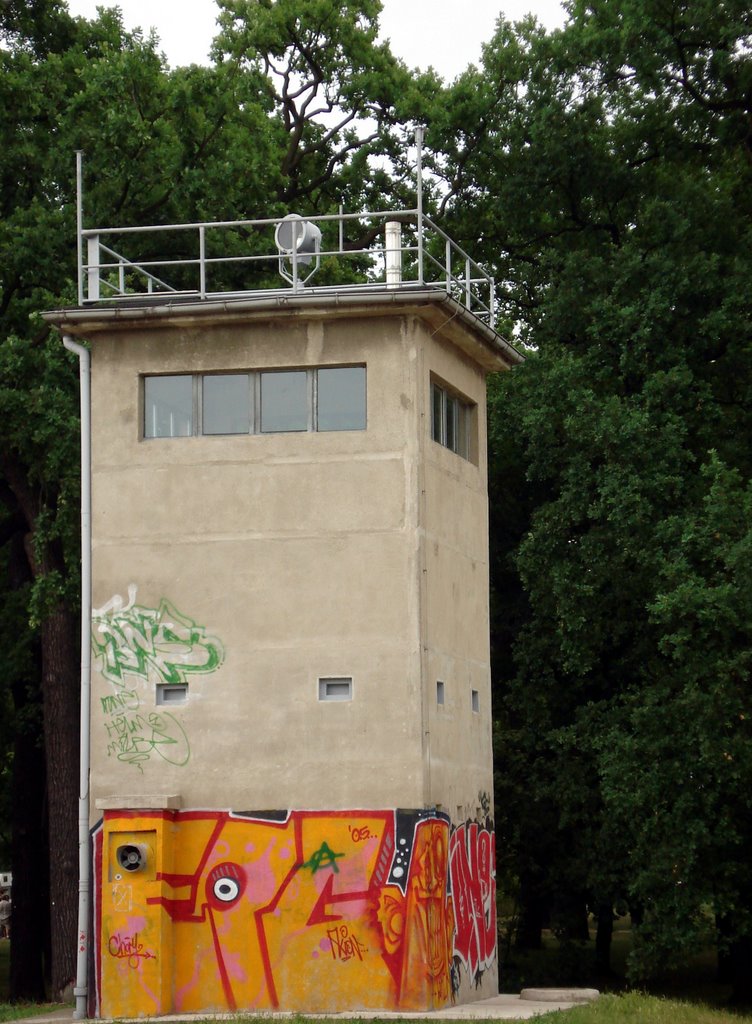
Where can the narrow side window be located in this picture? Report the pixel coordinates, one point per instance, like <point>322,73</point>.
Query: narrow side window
<point>451,420</point>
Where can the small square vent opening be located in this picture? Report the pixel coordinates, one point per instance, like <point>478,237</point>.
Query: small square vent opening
<point>335,688</point>
<point>172,693</point>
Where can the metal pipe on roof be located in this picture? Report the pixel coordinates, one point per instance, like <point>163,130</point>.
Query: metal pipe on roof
<point>393,251</point>
<point>80,224</point>
<point>419,147</point>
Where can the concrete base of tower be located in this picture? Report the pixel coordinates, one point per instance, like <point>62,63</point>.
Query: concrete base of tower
<point>309,911</point>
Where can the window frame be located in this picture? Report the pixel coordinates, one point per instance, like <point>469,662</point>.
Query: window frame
<point>200,403</point>
<point>255,378</point>
<point>146,405</point>
<point>453,420</point>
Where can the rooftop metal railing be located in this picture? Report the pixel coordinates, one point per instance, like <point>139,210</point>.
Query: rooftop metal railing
<point>237,258</point>
<point>404,250</point>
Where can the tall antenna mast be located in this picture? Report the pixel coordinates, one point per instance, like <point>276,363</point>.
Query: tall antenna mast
<point>419,158</point>
<point>79,224</point>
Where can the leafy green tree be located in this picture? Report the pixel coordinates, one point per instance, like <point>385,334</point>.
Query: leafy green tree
<point>605,171</point>
<point>302,106</point>
<point>341,97</point>
<point>67,84</point>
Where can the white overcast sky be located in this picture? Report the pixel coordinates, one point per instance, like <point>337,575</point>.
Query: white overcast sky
<point>444,33</point>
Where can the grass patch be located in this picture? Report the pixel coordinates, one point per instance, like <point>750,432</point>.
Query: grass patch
<point>628,1008</point>
<point>17,1011</point>
<point>559,964</point>
<point>639,1008</point>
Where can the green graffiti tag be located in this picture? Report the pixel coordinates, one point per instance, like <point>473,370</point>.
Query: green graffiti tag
<point>133,737</point>
<point>324,857</point>
<point>134,644</point>
<point>157,644</point>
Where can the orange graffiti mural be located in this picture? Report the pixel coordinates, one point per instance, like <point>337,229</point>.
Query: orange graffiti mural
<point>308,910</point>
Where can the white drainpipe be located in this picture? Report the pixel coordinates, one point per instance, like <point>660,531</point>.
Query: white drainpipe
<point>84,859</point>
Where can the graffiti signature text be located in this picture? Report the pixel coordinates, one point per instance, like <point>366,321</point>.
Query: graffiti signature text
<point>127,947</point>
<point>344,945</point>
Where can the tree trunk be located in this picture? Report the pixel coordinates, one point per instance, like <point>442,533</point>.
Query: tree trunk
<point>532,916</point>
<point>741,971</point>
<point>60,689</point>
<point>29,849</point>
<point>60,704</point>
<point>603,938</point>
<point>725,966</point>
<point>30,919</point>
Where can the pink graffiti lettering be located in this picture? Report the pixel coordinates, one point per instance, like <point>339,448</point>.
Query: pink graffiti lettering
<point>344,945</point>
<point>127,947</point>
<point>472,859</point>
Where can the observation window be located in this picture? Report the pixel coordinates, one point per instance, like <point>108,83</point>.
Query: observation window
<point>326,398</point>
<point>451,420</point>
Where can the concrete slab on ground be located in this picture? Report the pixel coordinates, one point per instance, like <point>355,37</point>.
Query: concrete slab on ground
<point>530,1003</point>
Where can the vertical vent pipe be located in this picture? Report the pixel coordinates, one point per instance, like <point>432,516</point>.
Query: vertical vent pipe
<point>393,251</point>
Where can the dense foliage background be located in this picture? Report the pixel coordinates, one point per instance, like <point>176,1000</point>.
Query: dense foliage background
<point>604,173</point>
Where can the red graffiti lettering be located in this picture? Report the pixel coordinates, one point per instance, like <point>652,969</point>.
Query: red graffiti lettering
<point>344,945</point>
<point>472,857</point>
<point>359,835</point>
<point>127,947</point>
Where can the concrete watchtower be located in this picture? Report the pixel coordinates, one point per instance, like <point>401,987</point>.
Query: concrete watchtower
<point>291,766</point>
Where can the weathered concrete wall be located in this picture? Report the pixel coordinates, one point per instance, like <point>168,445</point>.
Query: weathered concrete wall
<point>453,507</point>
<point>295,551</point>
<point>455,626</point>
<point>248,567</point>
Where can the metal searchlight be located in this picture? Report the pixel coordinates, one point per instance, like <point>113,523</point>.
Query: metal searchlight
<point>298,241</point>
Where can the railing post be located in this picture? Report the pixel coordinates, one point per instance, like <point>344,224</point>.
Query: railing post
<point>80,224</point>
<point>448,267</point>
<point>468,293</point>
<point>202,260</point>
<point>419,147</point>
<point>121,276</point>
<point>92,268</point>
<point>492,301</point>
